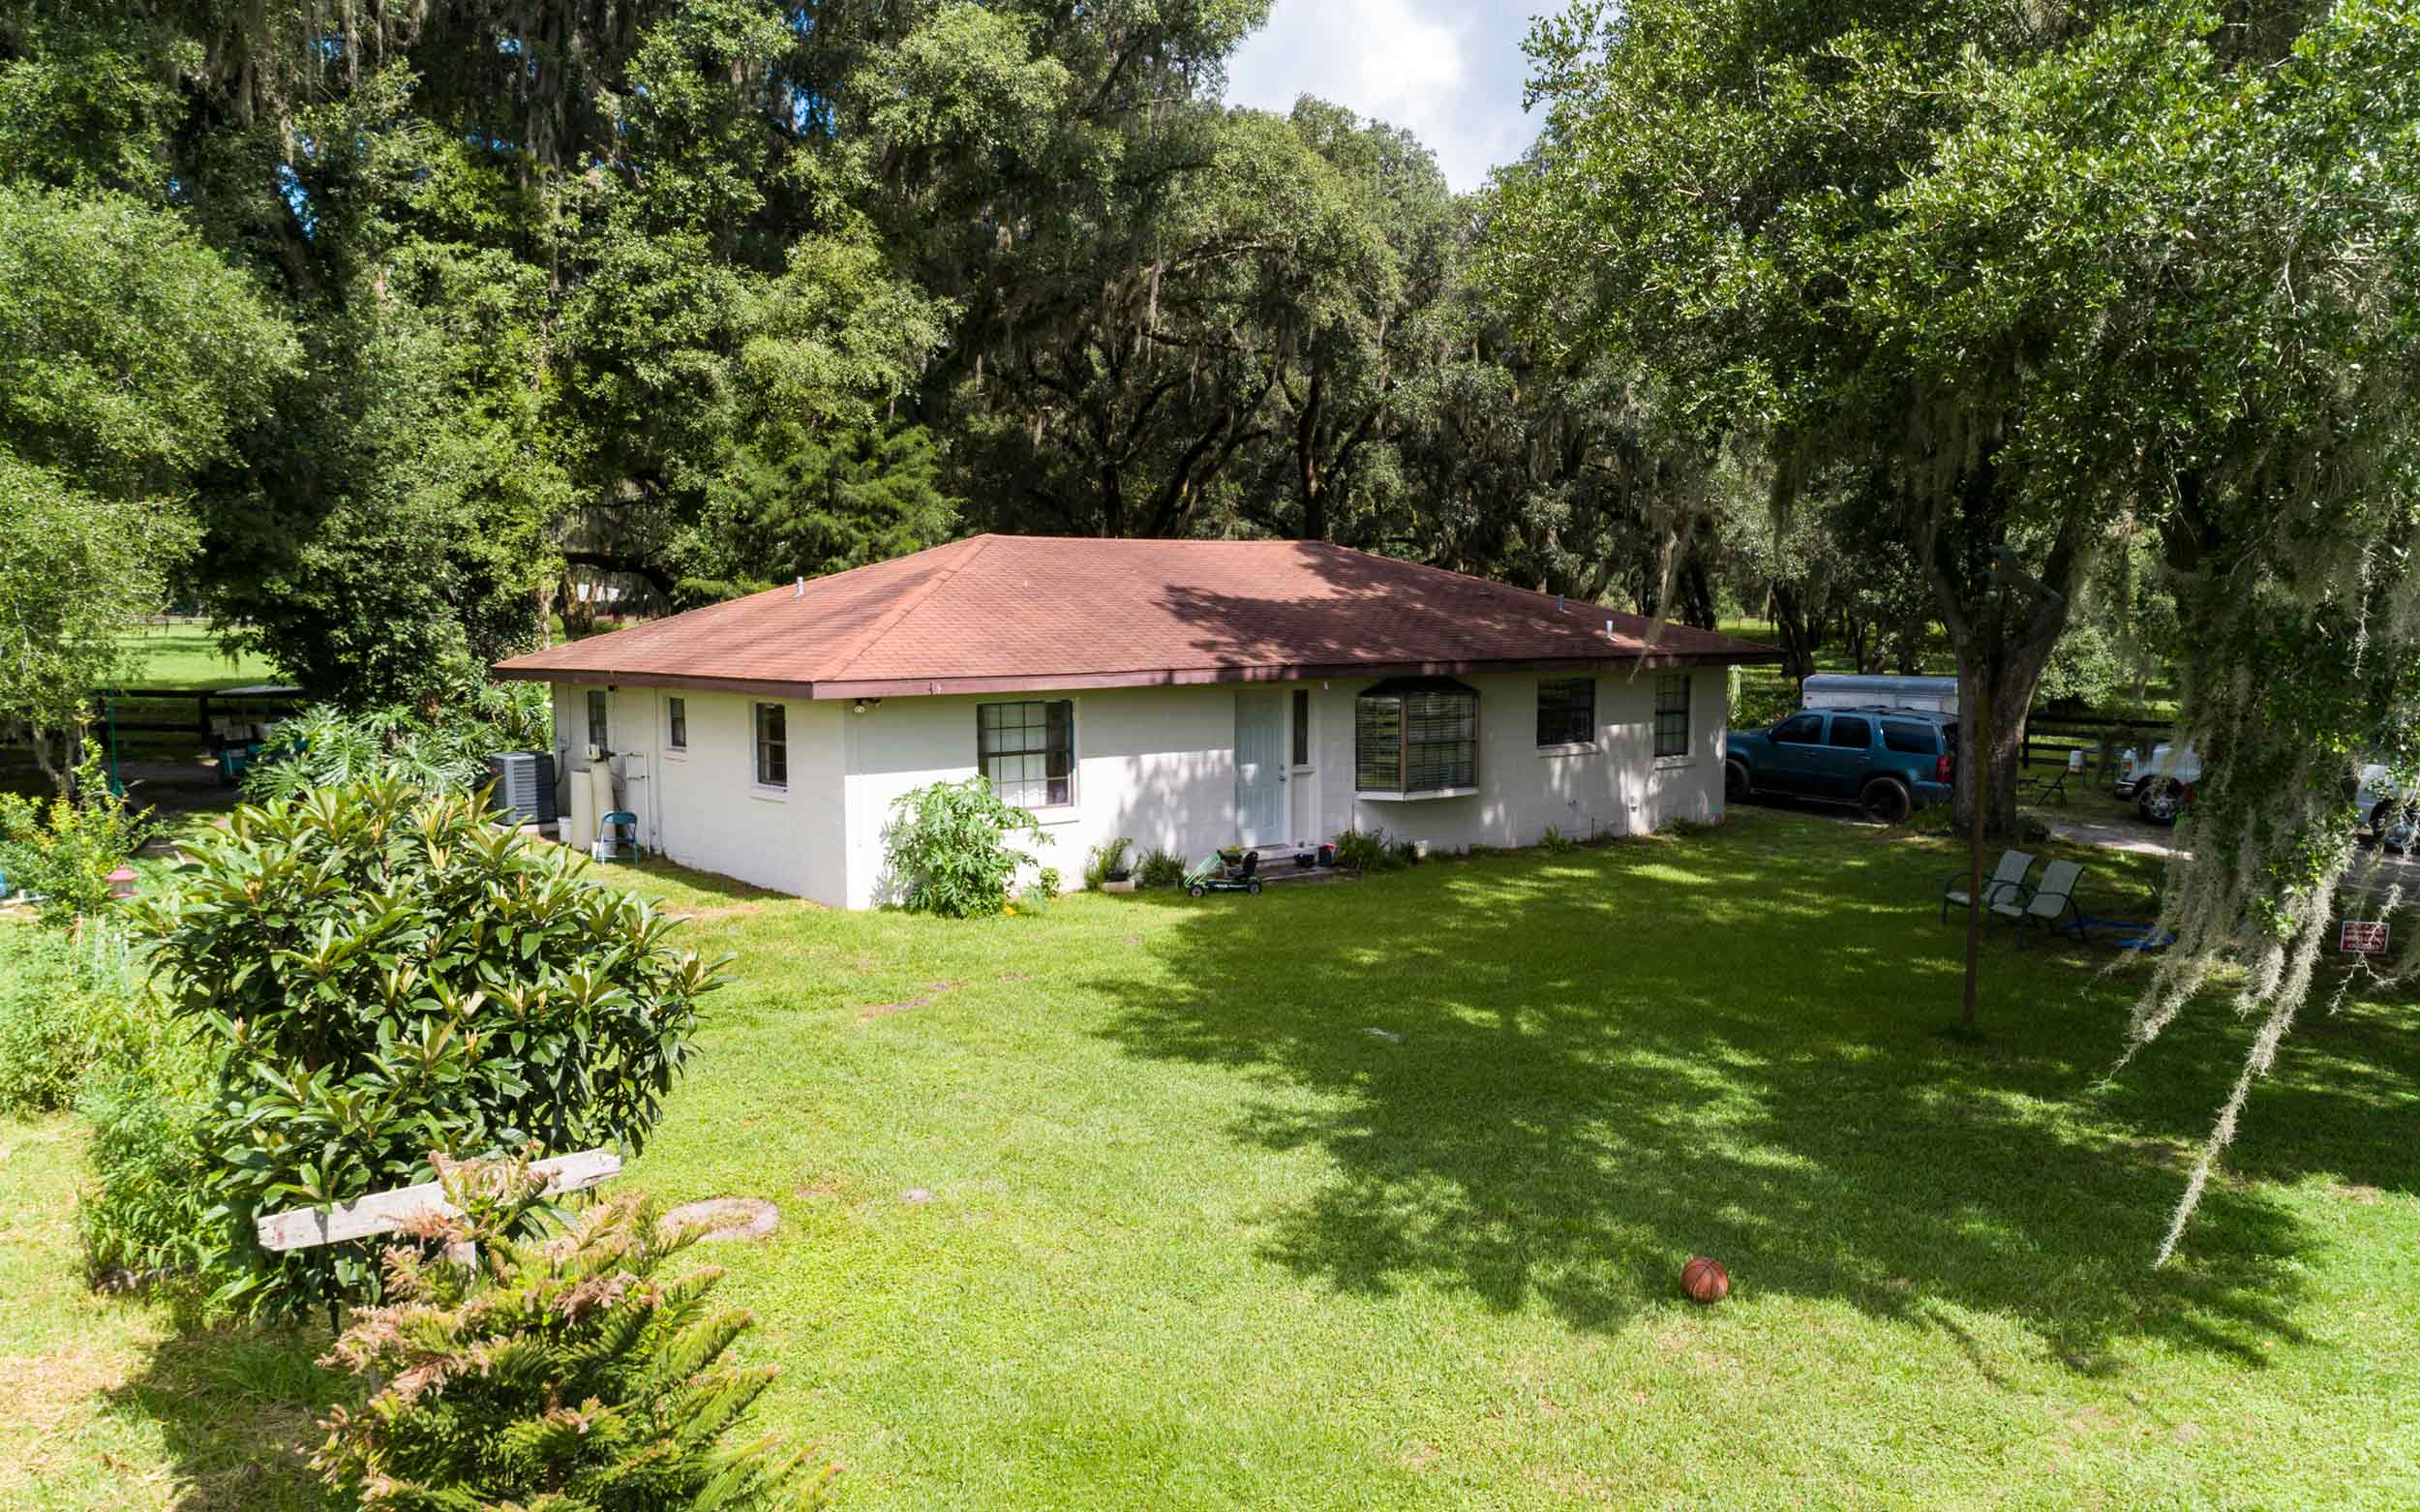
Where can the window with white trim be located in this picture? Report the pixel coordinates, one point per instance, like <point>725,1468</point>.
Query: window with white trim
<point>1672,715</point>
<point>677,724</point>
<point>1027,751</point>
<point>1416,735</point>
<point>772,745</point>
<point>1566,711</point>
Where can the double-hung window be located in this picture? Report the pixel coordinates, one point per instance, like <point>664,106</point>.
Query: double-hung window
<point>596,719</point>
<point>1566,712</point>
<point>772,745</point>
<point>1672,715</point>
<point>1027,751</point>
<point>677,724</point>
<point>1416,735</point>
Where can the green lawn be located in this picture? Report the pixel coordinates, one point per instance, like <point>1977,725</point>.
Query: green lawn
<point>1198,1237</point>
<point>181,654</point>
<point>185,653</point>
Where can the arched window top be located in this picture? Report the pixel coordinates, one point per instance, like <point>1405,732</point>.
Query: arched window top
<point>1416,735</point>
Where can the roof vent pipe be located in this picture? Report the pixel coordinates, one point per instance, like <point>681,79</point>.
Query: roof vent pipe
<point>801,591</point>
<point>1609,629</point>
<point>1559,605</point>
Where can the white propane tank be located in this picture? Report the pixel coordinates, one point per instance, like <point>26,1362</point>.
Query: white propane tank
<point>600,792</point>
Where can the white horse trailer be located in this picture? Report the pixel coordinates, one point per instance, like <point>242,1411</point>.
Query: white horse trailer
<point>1850,690</point>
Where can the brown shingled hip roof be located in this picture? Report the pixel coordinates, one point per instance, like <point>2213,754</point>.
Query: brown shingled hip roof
<point>1016,612</point>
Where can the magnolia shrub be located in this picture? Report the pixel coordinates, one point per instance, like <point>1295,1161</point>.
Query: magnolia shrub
<point>380,975</point>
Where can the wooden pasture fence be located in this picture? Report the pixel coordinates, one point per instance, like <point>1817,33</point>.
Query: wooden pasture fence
<point>2100,736</point>
<point>139,710</point>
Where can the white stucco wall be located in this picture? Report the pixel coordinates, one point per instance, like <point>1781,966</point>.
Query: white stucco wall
<point>1154,763</point>
<point>702,807</point>
<point>1618,787</point>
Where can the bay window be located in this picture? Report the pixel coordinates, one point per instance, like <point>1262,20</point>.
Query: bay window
<point>1415,735</point>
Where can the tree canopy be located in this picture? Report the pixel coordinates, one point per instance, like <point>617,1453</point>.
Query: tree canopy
<point>2037,285</point>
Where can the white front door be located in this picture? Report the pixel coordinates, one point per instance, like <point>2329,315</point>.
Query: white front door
<point>1261,766</point>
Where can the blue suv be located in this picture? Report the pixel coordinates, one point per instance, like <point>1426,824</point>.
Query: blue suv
<point>1888,761</point>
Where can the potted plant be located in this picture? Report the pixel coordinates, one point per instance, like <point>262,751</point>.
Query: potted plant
<point>1106,869</point>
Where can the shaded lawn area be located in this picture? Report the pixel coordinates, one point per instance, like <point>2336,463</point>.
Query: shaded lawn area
<point>1196,1236</point>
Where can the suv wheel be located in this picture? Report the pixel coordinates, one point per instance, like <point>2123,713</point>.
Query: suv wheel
<point>2393,824</point>
<point>1887,802</point>
<point>1735,784</point>
<point>2160,800</point>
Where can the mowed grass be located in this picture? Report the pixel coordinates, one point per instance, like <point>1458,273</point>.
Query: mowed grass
<point>1375,1195</point>
<point>185,654</point>
<point>182,655</point>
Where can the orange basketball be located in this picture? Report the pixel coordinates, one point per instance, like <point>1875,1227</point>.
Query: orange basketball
<point>1704,1279</point>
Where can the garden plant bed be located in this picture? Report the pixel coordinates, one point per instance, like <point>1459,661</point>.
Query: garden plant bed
<point>1195,1236</point>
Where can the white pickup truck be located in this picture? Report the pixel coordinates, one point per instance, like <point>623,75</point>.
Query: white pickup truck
<point>2162,784</point>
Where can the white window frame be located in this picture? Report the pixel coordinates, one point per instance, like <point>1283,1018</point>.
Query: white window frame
<point>1047,813</point>
<point>1596,717</point>
<point>756,755</point>
<point>1688,753</point>
<point>677,724</point>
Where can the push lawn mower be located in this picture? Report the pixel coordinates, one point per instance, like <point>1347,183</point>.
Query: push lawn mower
<point>1224,871</point>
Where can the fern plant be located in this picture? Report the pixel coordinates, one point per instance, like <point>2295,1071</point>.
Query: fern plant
<point>560,1372</point>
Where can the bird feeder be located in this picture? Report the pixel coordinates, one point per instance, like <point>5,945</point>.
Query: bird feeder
<point>122,881</point>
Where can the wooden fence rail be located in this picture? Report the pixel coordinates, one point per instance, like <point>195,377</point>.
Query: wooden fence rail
<point>252,706</point>
<point>2102,736</point>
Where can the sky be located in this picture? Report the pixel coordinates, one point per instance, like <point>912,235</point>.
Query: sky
<point>1451,71</point>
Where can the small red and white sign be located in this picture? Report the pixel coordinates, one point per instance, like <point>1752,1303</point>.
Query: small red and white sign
<point>2362,939</point>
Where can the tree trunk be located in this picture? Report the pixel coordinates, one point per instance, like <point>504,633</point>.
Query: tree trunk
<point>1801,633</point>
<point>1697,593</point>
<point>2000,669</point>
<point>1911,645</point>
<point>62,774</point>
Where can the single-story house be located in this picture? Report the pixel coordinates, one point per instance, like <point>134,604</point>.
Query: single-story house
<point>1189,694</point>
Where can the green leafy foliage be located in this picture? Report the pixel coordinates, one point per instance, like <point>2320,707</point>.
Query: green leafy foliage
<point>949,852</point>
<point>134,353</point>
<point>63,852</point>
<point>565,1371</point>
<point>1108,861</point>
<point>378,974</point>
<point>442,747</point>
<point>61,998</point>
<point>1160,868</point>
<point>77,572</point>
<point>146,1215</point>
<point>1370,849</point>
<point>79,1028</point>
<point>794,503</point>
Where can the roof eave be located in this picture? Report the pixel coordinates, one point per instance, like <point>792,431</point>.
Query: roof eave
<point>1168,676</point>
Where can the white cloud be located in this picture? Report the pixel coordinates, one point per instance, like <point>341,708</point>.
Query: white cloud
<point>1450,72</point>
